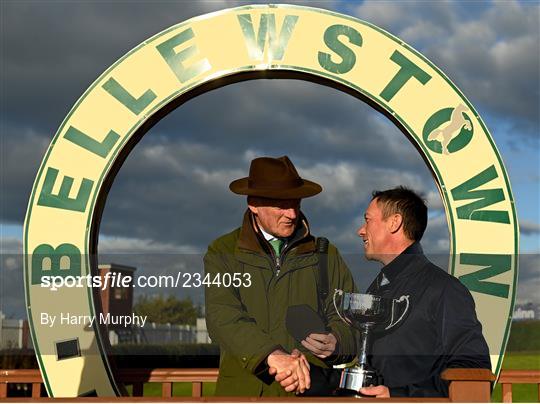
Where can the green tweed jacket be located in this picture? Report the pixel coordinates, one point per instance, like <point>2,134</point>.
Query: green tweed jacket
<point>248,322</point>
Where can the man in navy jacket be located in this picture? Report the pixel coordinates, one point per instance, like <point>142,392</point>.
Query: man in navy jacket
<point>440,329</point>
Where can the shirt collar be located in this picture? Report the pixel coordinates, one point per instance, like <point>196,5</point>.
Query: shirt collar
<point>399,264</point>
<point>250,238</point>
<point>267,236</point>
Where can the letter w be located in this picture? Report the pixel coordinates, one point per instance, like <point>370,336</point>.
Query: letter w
<point>267,31</point>
<point>486,197</point>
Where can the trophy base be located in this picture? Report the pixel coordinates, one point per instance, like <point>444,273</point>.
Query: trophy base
<point>349,393</point>
<point>354,378</point>
<point>346,393</point>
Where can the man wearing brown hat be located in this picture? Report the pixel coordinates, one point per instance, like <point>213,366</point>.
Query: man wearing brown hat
<point>273,257</point>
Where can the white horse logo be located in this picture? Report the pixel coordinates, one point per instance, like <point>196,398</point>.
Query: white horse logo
<point>445,133</point>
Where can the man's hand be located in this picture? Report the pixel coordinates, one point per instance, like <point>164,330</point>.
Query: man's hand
<point>322,345</point>
<point>377,391</point>
<point>290,371</point>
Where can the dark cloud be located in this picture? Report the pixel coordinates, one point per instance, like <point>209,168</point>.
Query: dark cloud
<point>56,49</point>
<point>276,114</point>
<point>490,53</point>
<point>21,152</point>
<point>401,17</point>
<point>60,48</point>
<point>186,173</point>
<point>180,203</point>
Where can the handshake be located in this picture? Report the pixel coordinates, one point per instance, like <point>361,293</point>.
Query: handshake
<point>291,371</point>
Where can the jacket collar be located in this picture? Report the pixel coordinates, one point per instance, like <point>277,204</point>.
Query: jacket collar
<point>252,239</point>
<point>406,261</point>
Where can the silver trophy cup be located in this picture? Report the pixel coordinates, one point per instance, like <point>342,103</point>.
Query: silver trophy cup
<point>366,313</point>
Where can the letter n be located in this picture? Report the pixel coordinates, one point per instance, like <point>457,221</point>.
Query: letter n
<point>494,264</point>
<point>484,198</point>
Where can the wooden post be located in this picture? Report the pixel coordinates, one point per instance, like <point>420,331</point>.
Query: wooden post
<point>196,389</point>
<point>516,376</point>
<point>507,392</point>
<point>3,390</point>
<point>166,390</point>
<point>468,391</point>
<point>36,390</point>
<point>469,385</point>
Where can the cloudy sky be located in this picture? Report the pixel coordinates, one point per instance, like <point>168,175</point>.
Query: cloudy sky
<point>171,197</point>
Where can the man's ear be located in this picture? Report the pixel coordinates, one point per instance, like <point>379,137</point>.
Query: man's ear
<point>253,209</point>
<point>396,221</point>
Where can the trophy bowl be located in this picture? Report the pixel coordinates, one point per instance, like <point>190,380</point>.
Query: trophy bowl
<point>366,313</point>
<point>360,308</point>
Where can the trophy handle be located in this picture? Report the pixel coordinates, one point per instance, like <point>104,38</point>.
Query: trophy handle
<point>401,299</point>
<point>340,293</point>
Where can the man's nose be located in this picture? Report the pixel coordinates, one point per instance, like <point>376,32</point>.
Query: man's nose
<point>361,230</point>
<point>291,213</point>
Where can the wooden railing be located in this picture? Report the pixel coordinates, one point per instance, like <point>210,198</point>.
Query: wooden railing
<point>137,377</point>
<point>29,376</point>
<point>509,377</point>
<point>470,385</point>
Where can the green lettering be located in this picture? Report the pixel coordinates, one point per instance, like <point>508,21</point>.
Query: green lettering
<point>406,72</point>
<point>102,148</point>
<point>135,105</point>
<point>486,197</point>
<point>267,31</point>
<point>58,265</point>
<point>348,57</point>
<point>62,200</point>
<point>494,264</point>
<point>176,60</point>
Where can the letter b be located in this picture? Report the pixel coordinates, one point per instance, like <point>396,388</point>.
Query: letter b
<point>63,261</point>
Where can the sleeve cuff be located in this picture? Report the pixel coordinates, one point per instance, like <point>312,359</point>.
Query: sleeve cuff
<point>258,365</point>
<point>399,391</point>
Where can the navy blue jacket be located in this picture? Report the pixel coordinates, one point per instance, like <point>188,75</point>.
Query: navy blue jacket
<point>439,331</point>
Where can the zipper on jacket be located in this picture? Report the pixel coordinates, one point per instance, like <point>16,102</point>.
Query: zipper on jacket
<point>277,258</point>
<point>280,256</point>
<point>278,265</point>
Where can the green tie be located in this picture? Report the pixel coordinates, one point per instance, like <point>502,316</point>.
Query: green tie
<point>276,245</point>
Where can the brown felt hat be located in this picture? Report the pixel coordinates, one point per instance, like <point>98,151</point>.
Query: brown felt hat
<point>275,178</point>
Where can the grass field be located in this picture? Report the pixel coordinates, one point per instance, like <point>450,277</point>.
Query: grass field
<point>521,393</point>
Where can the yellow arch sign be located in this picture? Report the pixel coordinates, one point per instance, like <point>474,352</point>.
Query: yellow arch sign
<point>250,42</point>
